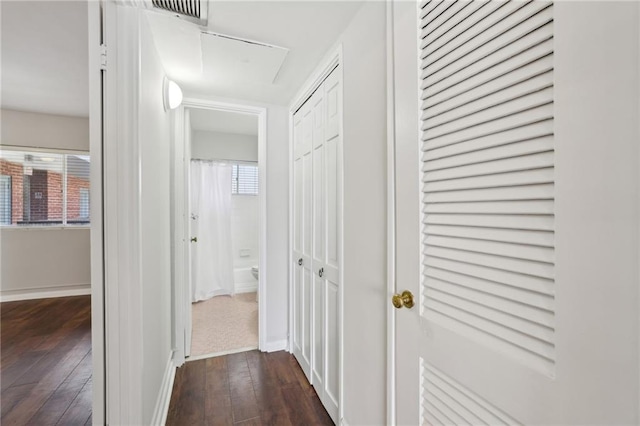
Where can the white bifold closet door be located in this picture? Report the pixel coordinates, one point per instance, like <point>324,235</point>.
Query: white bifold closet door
<point>316,242</point>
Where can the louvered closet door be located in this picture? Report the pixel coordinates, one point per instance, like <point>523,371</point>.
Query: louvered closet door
<point>302,239</point>
<point>484,343</point>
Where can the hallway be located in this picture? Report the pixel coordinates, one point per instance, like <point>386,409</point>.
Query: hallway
<point>248,388</point>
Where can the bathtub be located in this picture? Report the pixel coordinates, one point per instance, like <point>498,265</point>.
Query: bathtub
<point>244,280</point>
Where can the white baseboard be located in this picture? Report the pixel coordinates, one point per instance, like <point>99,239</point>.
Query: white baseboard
<point>215,354</point>
<point>278,345</point>
<point>44,293</point>
<point>246,287</point>
<point>343,422</point>
<point>164,396</point>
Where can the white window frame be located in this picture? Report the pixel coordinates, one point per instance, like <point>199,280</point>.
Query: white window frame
<point>64,153</point>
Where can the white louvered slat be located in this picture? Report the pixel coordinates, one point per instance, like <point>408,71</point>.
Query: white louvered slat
<point>488,180</point>
<point>518,119</point>
<point>519,236</point>
<point>530,192</point>
<point>466,9</point>
<point>535,269</point>
<point>521,20</point>
<point>466,403</point>
<point>512,322</point>
<point>496,207</point>
<point>523,50</point>
<point>526,177</point>
<point>483,168</point>
<point>497,330</point>
<point>518,310</point>
<point>524,299</point>
<point>532,146</point>
<point>501,276</point>
<point>518,251</point>
<point>536,223</point>
<point>459,31</point>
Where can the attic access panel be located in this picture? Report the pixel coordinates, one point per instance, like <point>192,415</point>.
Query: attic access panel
<point>226,58</point>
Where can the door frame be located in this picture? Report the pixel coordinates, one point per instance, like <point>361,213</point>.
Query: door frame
<point>328,64</point>
<point>181,260</point>
<point>96,15</point>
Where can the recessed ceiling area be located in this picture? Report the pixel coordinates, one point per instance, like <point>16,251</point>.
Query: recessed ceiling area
<point>223,122</point>
<point>45,59</point>
<point>308,29</point>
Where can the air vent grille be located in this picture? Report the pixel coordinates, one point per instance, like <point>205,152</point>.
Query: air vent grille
<point>191,8</point>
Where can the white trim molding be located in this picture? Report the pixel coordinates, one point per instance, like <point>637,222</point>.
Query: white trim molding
<point>274,346</point>
<point>181,304</point>
<point>164,396</point>
<point>45,292</point>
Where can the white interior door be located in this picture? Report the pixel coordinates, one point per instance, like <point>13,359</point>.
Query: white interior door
<point>521,255</point>
<point>331,235</point>
<point>316,104</point>
<point>302,176</point>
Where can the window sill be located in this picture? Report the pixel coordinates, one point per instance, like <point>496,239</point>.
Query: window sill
<point>42,228</point>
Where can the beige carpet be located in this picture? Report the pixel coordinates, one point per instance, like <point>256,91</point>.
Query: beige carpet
<point>224,323</point>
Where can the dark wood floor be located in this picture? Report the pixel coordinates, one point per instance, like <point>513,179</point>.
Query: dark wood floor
<point>45,367</point>
<point>249,388</point>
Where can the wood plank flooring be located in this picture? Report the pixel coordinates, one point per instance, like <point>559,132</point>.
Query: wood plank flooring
<point>45,361</point>
<point>248,388</point>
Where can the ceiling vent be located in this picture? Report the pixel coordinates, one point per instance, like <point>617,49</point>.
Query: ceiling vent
<point>191,10</point>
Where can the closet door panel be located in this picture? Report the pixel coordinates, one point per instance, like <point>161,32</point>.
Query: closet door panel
<point>331,203</point>
<point>318,369</point>
<point>331,391</point>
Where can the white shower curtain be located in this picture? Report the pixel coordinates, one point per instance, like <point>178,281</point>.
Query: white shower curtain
<point>211,257</point>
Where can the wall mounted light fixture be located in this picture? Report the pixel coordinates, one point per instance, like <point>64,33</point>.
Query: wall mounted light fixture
<point>172,95</point>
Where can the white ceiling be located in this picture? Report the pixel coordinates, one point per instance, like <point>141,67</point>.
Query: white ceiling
<point>224,122</point>
<point>307,28</point>
<point>45,65</point>
<point>44,50</point>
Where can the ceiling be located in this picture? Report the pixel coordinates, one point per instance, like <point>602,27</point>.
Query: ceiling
<point>44,51</point>
<point>224,122</point>
<point>308,29</point>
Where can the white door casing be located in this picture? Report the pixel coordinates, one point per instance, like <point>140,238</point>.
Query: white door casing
<point>317,240</point>
<point>509,140</point>
<point>182,220</point>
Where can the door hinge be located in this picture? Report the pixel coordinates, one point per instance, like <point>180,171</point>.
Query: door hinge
<point>103,56</point>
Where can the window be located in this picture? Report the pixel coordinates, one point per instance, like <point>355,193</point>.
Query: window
<point>5,200</point>
<point>244,179</point>
<point>43,188</point>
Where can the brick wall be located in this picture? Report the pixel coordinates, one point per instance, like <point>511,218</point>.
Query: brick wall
<point>14,170</point>
<point>74,185</point>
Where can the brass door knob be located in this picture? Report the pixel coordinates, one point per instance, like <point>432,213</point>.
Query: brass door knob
<point>405,299</point>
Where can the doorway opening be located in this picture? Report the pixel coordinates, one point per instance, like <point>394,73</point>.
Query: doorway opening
<point>224,209</point>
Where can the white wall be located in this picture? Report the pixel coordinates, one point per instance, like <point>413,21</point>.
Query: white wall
<point>365,144</point>
<point>155,149</point>
<point>44,260</point>
<point>229,146</point>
